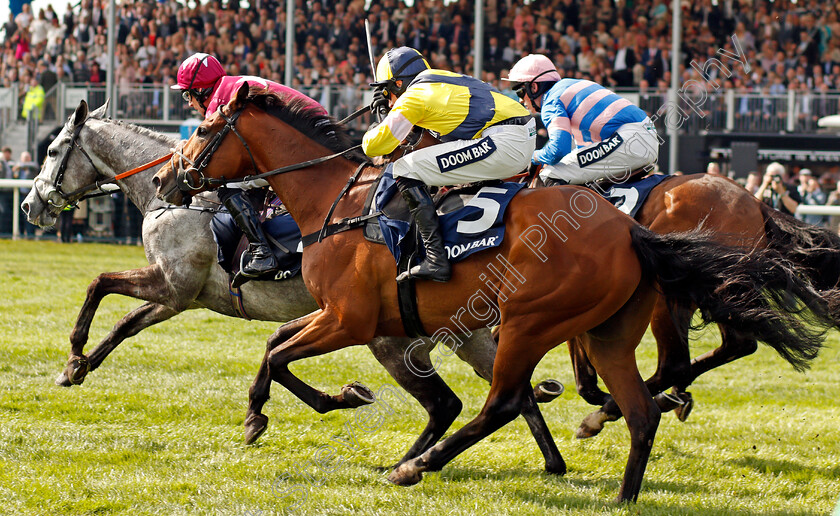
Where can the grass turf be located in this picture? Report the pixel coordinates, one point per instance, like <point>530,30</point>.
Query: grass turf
<point>158,428</point>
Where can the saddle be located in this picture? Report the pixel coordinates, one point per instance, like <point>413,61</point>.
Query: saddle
<point>471,220</point>
<point>471,217</point>
<point>446,201</point>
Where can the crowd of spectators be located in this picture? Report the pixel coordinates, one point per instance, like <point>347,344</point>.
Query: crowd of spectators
<point>771,47</point>
<point>783,44</point>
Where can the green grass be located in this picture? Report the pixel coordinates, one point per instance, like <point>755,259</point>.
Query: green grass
<point>158,428</point>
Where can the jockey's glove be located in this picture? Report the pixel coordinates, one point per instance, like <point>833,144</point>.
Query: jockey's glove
<point>379,104</point>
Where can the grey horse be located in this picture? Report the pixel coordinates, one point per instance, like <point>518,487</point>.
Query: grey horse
<point>183,274</point>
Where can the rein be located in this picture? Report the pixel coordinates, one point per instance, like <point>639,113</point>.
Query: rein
<point>186,184</point>
<point>184,178</point>
<point>98,184</point>
<point>61,200</point>
<point>281,170</point>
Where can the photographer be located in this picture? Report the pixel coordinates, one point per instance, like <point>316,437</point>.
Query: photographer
<point>775,192</point>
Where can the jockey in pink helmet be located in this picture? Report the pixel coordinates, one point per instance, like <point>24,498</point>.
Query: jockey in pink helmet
<point>207,87</point>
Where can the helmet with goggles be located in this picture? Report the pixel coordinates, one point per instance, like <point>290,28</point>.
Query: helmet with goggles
<point>198,75</point>
<point>399,64</point>
<point>533,75</point>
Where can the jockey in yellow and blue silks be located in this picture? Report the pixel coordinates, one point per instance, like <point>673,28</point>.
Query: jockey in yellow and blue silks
<point>484,135</point>
<point>613,137</point>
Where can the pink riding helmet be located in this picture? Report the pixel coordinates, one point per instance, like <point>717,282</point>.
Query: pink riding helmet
<point>198,72</point>
<point>533,67</point>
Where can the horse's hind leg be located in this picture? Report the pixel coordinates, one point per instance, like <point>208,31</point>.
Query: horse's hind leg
<point>670,329</point>
<point>586,380</point>
<point>510,390</point>
<point>733,347</point>
<point>423,383</point>
<point>134,322</point>
<point>616,364</point>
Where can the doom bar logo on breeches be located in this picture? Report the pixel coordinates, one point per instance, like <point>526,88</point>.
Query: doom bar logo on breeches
<point>470,154</point>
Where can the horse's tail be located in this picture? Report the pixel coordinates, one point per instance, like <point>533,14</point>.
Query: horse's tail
<point>815,249</point>
<point>757,292</point>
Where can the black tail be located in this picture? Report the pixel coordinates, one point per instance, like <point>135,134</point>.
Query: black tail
<point>816,250</point>
<point>757,292</point>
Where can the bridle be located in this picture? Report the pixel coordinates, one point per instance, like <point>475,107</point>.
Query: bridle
<point>184,179</point>
<point>58,200</point>
<point>188,184</point>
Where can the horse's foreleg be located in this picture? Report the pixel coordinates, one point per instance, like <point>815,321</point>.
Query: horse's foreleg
<point>259,393</point>
<point>135,321</point>
<point>423,383</point>
<point>322,335</point>
<point>509,391</point>
<point>146,283</point>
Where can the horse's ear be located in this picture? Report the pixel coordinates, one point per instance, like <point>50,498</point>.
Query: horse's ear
<point>102,111</point>
<point>242,94</point>
<point>81,114</point>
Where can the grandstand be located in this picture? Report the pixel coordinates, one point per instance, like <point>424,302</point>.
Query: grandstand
<point>757,76</point>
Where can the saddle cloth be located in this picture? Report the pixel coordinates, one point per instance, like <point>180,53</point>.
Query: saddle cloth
<point>629,197</point>
<point>471,218</point>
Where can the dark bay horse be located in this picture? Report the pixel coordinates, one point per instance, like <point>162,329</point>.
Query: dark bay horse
<point>183,274</point>
<point>571,263</point>
<point>731,216</point>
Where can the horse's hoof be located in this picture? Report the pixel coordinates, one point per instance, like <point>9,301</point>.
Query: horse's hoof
<point>558,468</point>
<point>548,390</point>
<point>405,475</point>
<point>356,395</point>
<point>75,372</point>
<point>255,425</point>
<point>62,380</point>
<point>591,425</point>
<point>684,410</point>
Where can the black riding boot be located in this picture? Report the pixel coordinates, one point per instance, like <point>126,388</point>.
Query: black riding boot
<point>261,260</point>
<point>555,182</point>
<point>436,265</point>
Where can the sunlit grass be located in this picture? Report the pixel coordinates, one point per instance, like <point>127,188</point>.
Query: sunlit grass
<point>158,428</point>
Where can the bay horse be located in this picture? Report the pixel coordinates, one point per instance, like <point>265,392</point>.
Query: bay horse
<point>732,216</point>
<point>183,274</point>
<point>585,268</point>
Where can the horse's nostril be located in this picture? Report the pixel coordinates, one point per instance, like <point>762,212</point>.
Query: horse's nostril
<point>156,181</point>
<point>25,207</point>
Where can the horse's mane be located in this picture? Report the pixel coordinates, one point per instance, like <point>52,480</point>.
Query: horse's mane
<point>313,123</point>
<point>143,131</point>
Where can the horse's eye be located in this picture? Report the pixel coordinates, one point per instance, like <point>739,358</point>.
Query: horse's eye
<point>52,153</point>
<point>202,132</point>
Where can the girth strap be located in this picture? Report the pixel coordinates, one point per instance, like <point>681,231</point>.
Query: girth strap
<point>236,299</point>
<point>341,226</point>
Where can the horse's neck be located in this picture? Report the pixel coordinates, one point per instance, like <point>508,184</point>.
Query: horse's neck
<point>309,194</point>
<point>120,148</point>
